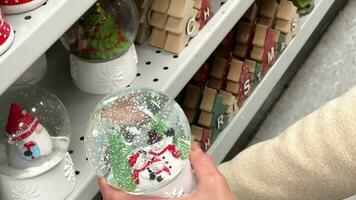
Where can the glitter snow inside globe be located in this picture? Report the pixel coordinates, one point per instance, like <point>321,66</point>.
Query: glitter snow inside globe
<point>138,140</point>
<point>35,132</point>
<point>103,56</point>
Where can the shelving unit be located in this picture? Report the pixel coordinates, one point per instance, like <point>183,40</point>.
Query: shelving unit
<point>232,132</point>
<point>157,69</point>
<point>36,31</point>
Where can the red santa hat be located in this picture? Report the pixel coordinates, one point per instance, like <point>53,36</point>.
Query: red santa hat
<point>20,124</point>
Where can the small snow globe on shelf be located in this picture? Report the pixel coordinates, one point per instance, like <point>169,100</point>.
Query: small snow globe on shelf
<point>35,73</point>
<point>35,132</point>
<point>103,56</point>
<point>138,140</point>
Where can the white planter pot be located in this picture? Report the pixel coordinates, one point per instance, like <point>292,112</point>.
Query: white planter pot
<point>106,77</point>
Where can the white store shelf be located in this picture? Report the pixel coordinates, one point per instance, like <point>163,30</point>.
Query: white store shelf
<point>170,81</point>
<point>232,132</point>
<point>35,35</point>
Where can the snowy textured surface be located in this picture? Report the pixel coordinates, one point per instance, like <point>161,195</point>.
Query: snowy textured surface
<point>328,73</point>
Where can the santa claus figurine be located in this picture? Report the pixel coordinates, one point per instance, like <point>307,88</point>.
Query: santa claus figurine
<point>6,34</point>
<point>20,6</point>
<point>27,139</point>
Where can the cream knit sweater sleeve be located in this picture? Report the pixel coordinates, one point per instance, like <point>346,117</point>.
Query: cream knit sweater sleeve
<point>313,159</point>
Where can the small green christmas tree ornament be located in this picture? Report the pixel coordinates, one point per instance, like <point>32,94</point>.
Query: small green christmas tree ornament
<point>141,148</point>
<point>118,158</point>
<point>103,57</point>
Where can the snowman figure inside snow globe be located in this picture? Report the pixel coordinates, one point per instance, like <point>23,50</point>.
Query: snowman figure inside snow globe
<point>36,132</point>
<point>138,140</point>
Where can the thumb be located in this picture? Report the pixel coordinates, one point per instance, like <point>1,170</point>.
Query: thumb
<point>203,165</point>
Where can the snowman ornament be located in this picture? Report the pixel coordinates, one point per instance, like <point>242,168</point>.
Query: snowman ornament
<point>28,140</point>
<point>139,163</point>
<point>163,150</point>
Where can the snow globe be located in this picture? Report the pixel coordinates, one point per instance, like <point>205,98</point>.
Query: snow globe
<point>35,73</point>
<point>33,144</point>
<point>138,140</point>
<point>103,57</point>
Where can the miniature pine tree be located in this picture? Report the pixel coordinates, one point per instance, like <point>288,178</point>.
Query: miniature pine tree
<point>99,37</point>
<point>182,146</point>
<point>120,167</point>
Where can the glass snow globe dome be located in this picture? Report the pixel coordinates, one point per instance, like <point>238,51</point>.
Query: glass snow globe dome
<point>138,140</point>
<point>35,131</point>
<point>105,32</point>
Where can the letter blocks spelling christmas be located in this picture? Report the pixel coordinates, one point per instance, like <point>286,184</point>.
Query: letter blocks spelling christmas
<point>220,88</point>
<point>205,110</point>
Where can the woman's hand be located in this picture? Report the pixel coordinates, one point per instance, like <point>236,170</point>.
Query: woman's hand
<point>211,184</point>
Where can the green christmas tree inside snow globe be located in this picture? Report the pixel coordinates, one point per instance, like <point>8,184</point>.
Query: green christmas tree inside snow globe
<point>104,38</point>
<point>99,37</point>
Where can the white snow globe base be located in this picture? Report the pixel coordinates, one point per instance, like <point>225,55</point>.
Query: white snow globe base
<point>56,184</point>
<point>183,184</point>
<point>105,77</point>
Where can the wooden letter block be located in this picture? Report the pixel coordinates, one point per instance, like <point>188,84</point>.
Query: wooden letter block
<point>160,5</point>
<point>201,77</point>
<point>177,8</point>
<point>286,11</point>
<point>158,20</point>
<point>206,139</point>
<point>193,97</point>
<point>175,43</point>
<point>283,26</point>
<point>176,25</point>
<point>235,70</point>
<point>269,8</point>
<point>190,114</point>
<point>241,51</point>
<point>205,119</point>
<point>216,84</point>
<point>197,132</point>
<point>228,97</point>
<point>244,33</point>
<point>208,100</point>
<point>251,14</point>
<point>260,36</point>
<point>257,53</point>
<point>158,37</point>
<point>269,22</point>
<point>233,87</point>
<point>219,68</point>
